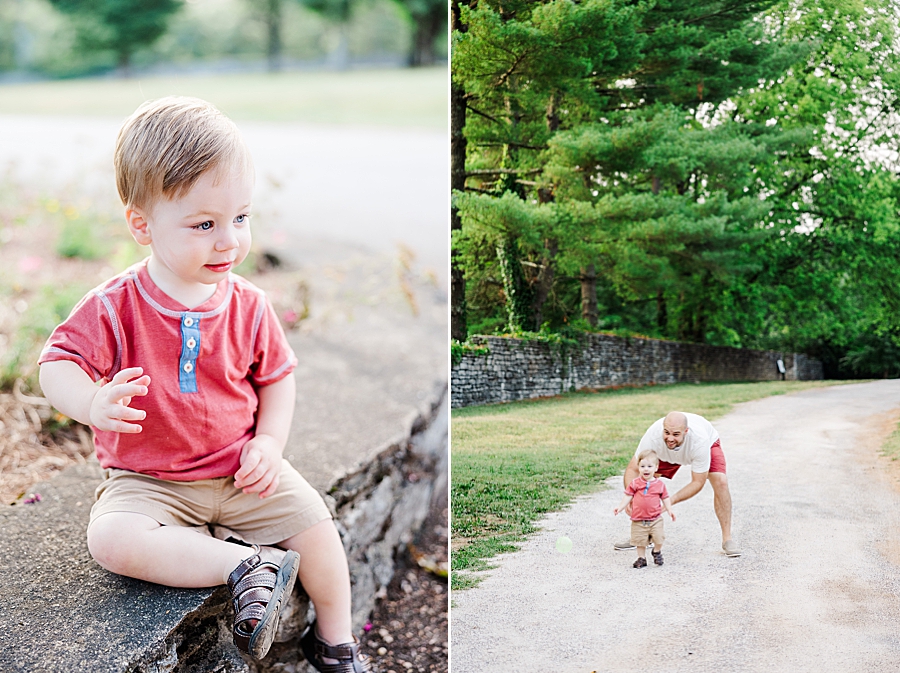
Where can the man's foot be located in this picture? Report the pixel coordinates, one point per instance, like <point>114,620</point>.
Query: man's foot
<point>625,545</point>
<point>731,548</point>
<point>641,562</point>
<point>657,557</point>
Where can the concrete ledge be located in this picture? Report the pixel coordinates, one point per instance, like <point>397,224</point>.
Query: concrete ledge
<point>63,613</point>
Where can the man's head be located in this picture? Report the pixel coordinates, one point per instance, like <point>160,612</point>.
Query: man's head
<point>186,179</point>
<point>675,429</point>
<point>648,463</point>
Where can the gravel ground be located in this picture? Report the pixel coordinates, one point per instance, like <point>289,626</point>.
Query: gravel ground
<point>817,589</point>
<point>409,625</point>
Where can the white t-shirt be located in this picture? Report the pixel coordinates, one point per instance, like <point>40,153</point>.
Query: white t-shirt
<point>694,451</point>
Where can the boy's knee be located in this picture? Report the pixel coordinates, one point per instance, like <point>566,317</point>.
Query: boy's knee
<point>110,541</point>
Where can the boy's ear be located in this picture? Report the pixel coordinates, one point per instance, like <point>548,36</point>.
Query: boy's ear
<point>138,225</point>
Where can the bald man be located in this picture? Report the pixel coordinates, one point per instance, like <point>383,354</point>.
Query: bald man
<point>688,439</point>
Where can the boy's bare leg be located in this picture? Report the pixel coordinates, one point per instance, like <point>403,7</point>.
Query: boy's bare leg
<point>642,552</point>
<point>326,578</point>
<point>136,546</point>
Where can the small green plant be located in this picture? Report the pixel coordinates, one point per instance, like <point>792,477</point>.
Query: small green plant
<point>42,314</point>
<point>80,236</point>
<point>457,349</point>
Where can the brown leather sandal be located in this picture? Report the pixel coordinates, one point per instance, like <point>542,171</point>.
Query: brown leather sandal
<point>259,591</point>
<point>348,656</point>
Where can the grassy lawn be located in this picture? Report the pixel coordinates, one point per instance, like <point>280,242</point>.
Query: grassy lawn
<point>513,463</point>
<point>414,97</point>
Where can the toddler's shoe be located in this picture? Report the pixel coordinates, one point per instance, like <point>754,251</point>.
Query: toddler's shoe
<point>641,562</point>
<point>259,591</point>
<point>347,656</point>
<point>657,557</point>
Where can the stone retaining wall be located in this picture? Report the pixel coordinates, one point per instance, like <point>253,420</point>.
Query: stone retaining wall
<point>517,369</point>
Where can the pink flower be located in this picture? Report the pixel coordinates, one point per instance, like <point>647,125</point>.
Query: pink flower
<point>367,627</point>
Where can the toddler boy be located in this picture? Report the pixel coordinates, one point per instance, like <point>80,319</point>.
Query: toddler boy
<point>186,377</point>
<point>647,495</point>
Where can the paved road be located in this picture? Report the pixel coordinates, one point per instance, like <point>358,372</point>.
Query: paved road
<point>368,188</point>
<point>817,589</point>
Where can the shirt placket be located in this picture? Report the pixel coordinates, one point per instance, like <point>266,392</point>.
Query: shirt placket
<point>190,350</point>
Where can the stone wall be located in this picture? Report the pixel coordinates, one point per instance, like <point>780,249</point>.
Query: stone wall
<point>516,369</point>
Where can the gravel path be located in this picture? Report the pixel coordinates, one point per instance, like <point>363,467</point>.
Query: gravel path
<point>817,588</point>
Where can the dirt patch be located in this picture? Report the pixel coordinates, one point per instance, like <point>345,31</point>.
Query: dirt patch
<point>409,626</point>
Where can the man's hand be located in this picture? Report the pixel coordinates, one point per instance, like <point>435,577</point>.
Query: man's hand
<point>109,408</point>
<point>260,466</point>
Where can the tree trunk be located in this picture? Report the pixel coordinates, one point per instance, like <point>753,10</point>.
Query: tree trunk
<point>273,34</point>
<point>589,310</point>
<point>544,283</point>
<point>458,327</point>
<point>519,304</point>
<point>662,313</point>
<point>428,27</point>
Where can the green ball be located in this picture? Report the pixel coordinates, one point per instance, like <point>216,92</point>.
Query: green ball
<point>563,545</point>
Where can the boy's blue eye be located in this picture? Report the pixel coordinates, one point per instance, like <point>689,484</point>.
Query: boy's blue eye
<point>205,226</point>
<point>240,219</point>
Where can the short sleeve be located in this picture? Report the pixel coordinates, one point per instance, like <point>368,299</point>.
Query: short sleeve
<point>273,358</point>
<point>665,492</point>
<point>631,489</point>
<point>89,337</point>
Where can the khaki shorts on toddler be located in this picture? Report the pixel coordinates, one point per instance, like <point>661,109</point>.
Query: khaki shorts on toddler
<point>644,531</point>
<point>291,509</point>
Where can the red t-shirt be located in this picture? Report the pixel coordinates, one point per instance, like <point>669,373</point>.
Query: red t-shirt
<point>647,502</point>
<point>205,365</point>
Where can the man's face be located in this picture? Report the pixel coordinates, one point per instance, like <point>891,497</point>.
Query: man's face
<point>673,436</point>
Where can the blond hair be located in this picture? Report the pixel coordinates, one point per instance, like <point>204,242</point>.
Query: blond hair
<point>648,453</point>
<point>167,144</point>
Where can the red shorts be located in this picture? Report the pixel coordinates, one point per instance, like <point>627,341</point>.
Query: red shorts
<point>716,462</point>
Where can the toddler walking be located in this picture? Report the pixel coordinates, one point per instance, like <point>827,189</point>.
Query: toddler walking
<point>648,496</point>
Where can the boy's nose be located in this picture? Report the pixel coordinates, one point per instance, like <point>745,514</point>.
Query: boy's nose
<point>227,240</point>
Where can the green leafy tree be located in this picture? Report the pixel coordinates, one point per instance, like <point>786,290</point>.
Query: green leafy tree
<point>121,26</point>
<point>540,78</point>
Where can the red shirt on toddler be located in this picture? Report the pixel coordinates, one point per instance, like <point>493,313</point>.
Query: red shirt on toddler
<point>646,504</point>
<point>205,366</point>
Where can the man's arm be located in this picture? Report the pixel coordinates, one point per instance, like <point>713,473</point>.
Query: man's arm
<point>631,472</point>
<point>698,479</point>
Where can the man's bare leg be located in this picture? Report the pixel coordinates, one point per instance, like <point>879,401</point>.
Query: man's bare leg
<point>722,503</point>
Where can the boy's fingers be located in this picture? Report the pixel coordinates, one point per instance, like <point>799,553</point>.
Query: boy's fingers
<point>127,414</point>
<point>123,390</point>
<point>112,425</point>
<point>124,375</point>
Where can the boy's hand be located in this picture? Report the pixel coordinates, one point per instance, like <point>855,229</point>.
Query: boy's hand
<point>615,511</point>
<point>672,514</point>
<point>260,466</point>
<point>109,408</point>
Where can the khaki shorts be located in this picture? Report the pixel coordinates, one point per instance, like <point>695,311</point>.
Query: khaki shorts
<point>294,507</point>
<point>644,531</point>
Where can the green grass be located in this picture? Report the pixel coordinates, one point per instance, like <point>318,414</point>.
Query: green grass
<point>415,97</point>
<point>514,463</point>
<point>891,447</point>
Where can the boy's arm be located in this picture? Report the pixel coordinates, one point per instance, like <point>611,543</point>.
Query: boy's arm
<point>261,456</point>
<point>71,390</point>
<point>667,504</point>
<point>622,505</point>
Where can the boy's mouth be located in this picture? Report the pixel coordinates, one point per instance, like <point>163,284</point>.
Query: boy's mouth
<point>220,268</point>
